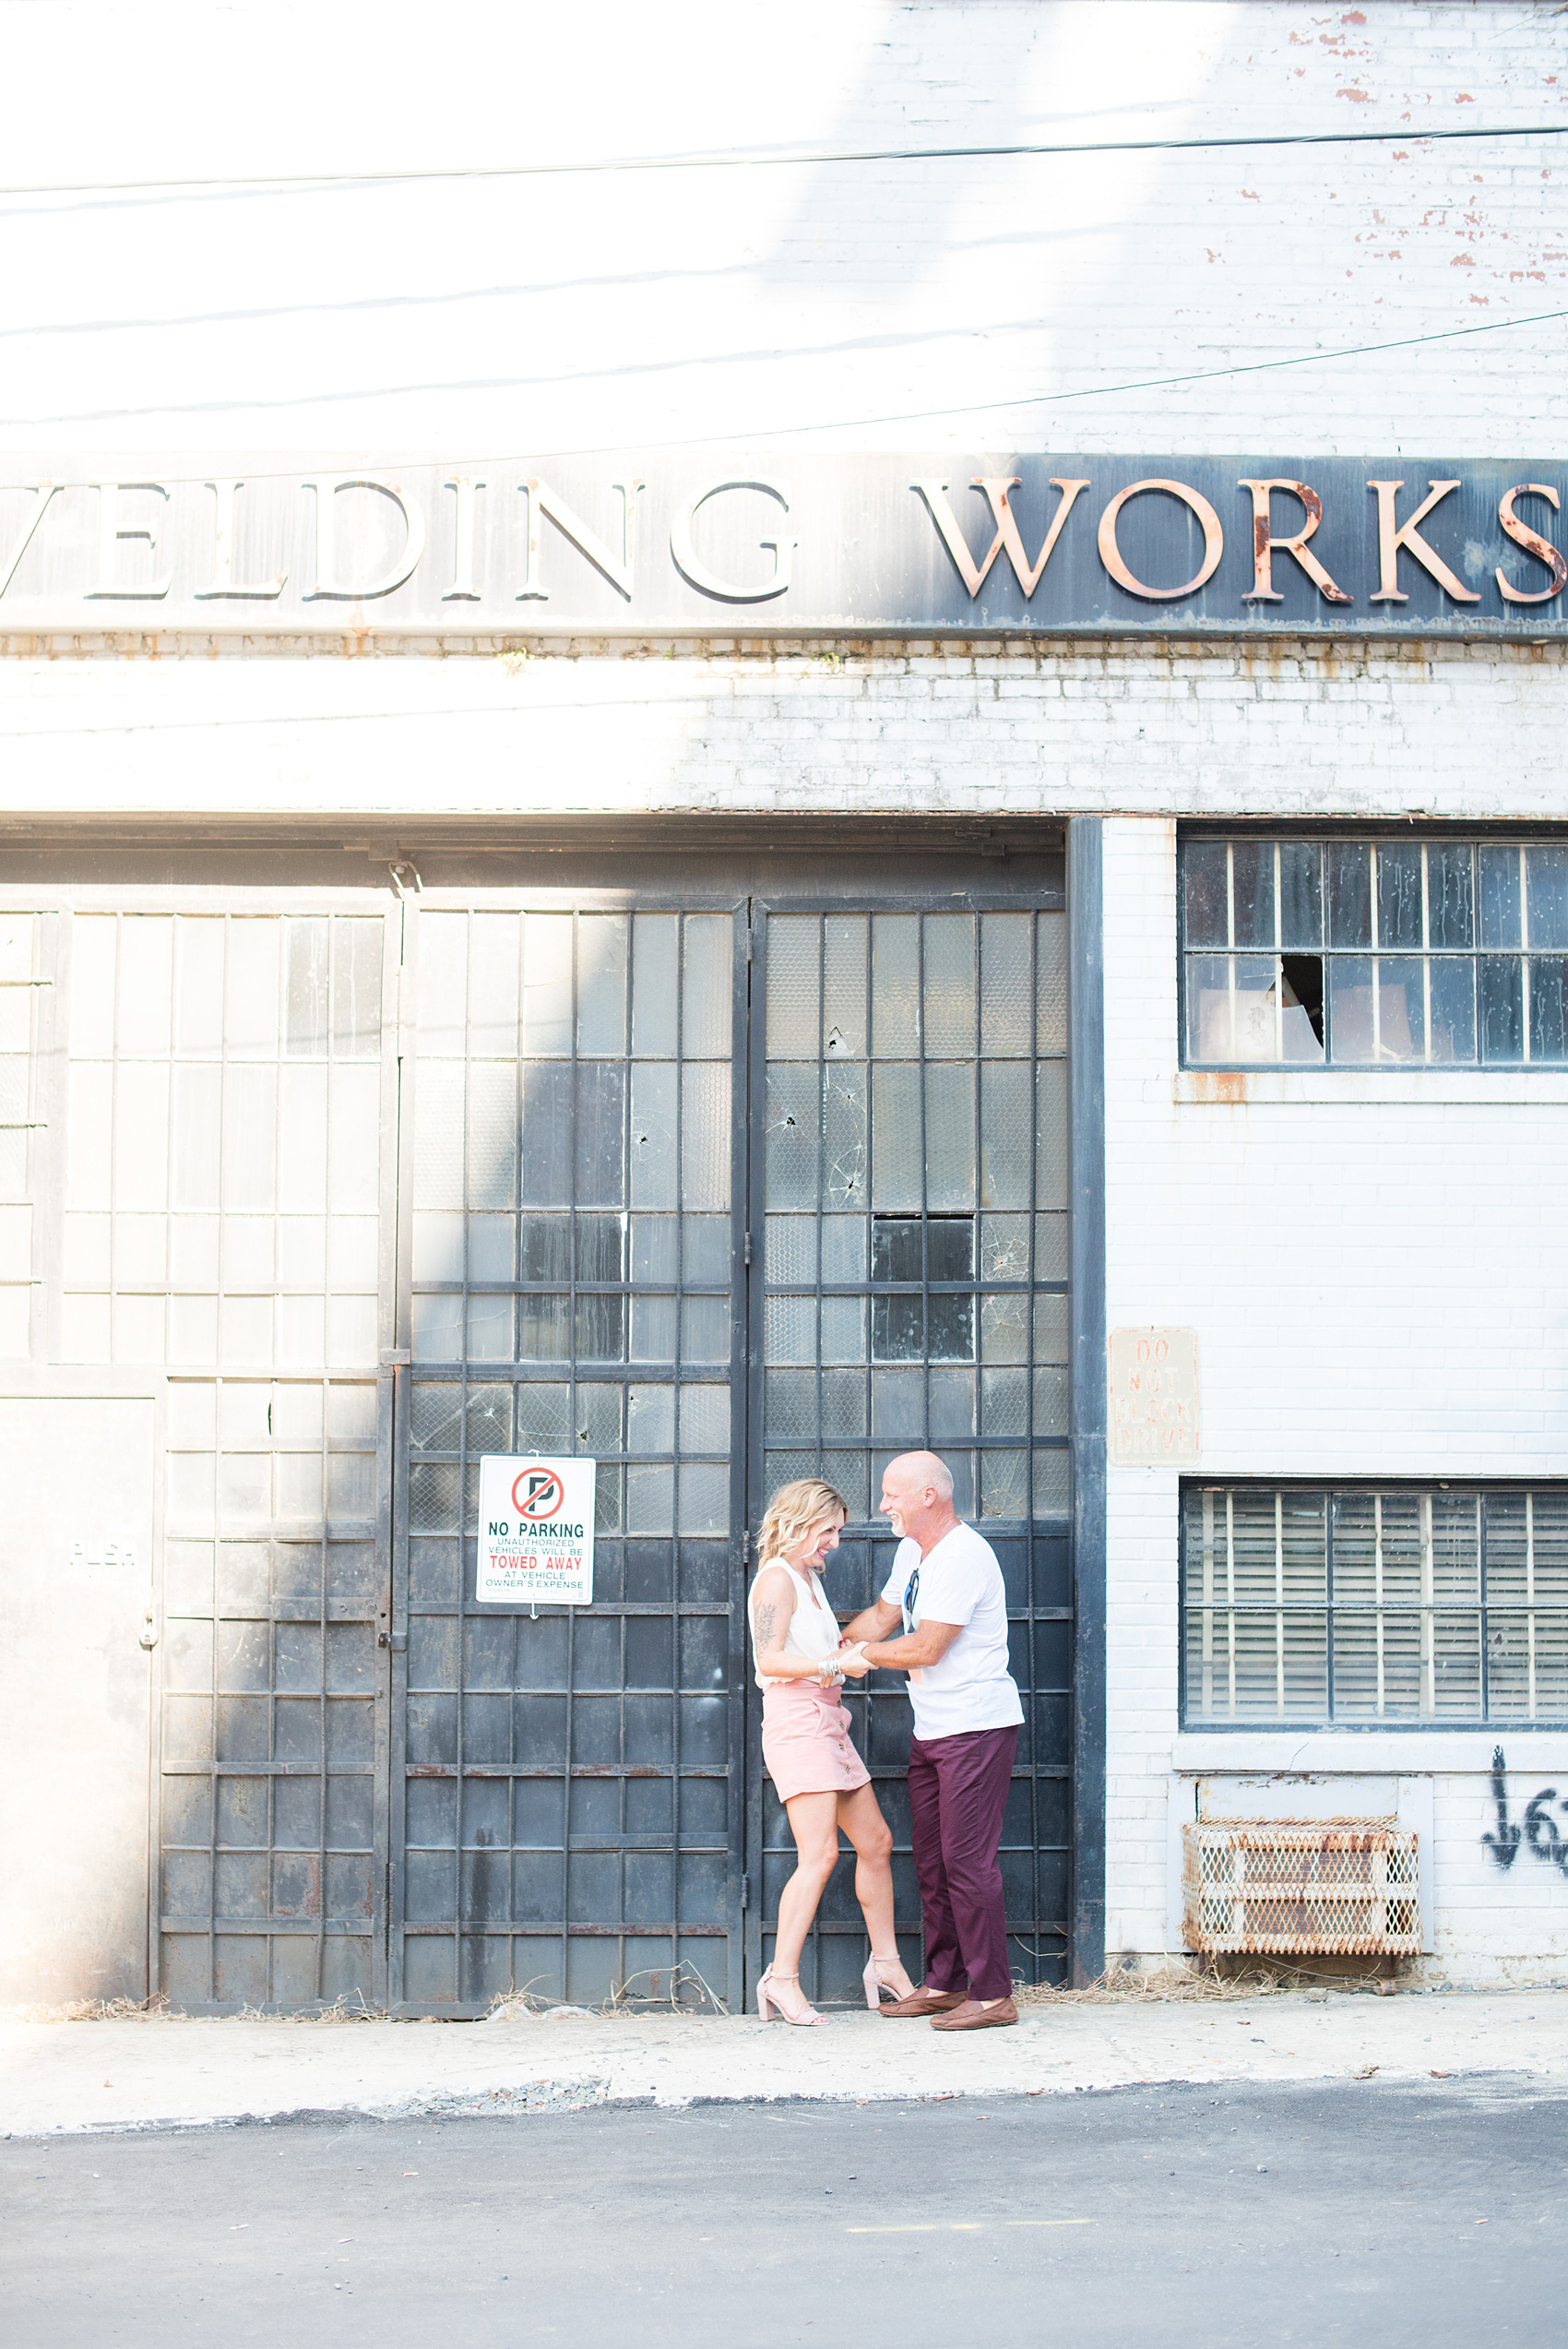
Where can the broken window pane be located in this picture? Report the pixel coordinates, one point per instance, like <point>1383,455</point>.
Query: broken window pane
<point>844,986</point>
<point>844,1135</point>
<point>1301,995</point>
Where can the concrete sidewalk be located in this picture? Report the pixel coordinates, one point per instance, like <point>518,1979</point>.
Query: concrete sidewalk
<point>153,2072</point>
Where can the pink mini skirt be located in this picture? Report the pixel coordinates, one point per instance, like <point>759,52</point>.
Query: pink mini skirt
<point>805,1741</point>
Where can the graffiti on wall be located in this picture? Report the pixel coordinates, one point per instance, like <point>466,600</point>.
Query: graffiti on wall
<point>1539,1831</point>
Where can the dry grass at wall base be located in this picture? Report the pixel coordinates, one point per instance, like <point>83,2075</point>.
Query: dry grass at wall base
<point>683,1991</point>
<point>1196,1981</point>
<point>1182,1981</point>
<point>348,2007</point>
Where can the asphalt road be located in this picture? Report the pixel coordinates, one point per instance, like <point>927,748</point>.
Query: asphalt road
<point>1229,2218</point>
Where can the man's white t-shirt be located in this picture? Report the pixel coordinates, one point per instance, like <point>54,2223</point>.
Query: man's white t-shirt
<point>971,1686</point>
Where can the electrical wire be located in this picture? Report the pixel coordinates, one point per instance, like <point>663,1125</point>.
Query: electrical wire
<point>785,158</point>
<point>759,436</point>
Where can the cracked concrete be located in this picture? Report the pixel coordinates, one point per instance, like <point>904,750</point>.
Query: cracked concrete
<point>145,2072</point>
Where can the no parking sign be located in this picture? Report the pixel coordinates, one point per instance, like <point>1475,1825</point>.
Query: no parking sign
<point>536,1531</point>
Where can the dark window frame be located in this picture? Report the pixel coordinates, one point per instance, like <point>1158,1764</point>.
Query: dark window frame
<point>1502,973</point>
<point>1332,1612</point>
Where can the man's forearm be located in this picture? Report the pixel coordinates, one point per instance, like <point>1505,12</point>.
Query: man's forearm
<point>906,1654</point>
<point>867,1625</point>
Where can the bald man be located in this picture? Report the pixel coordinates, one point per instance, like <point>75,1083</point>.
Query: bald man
<point>945,1591</point>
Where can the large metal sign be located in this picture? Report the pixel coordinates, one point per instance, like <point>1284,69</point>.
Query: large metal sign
<point>783,545</point>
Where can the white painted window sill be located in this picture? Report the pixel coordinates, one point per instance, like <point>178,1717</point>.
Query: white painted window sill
<point>1414,1088</point>
<point>1415,1752</point>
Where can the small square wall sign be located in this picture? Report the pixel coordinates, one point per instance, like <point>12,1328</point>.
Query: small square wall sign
<point>535,1532</point>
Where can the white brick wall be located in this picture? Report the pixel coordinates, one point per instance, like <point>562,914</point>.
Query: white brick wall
<point>1288,730</point>
<point>892,304</point>
<point>1377,1282</point>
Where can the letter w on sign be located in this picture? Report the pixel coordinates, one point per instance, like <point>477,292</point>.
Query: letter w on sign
<point>996,488</point>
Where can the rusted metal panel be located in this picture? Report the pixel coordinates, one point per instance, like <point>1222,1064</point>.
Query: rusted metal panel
<point>1316,1888</point>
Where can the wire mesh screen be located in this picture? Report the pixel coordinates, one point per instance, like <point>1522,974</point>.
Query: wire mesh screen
<point>563,1782</point>
<point>221,1218</point>
<point>914,1293</point>
<point>1264,1887</point>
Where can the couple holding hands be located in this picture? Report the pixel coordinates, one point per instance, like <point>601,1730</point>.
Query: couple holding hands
<point>945,1609</point>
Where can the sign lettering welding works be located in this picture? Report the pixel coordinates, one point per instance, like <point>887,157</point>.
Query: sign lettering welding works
<point>535,1532</point>
<point>990,543</point>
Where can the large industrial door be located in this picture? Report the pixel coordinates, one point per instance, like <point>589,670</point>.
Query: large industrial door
<point>718,1190</point>
<point>909,1070</point>
<point>566,1800</point>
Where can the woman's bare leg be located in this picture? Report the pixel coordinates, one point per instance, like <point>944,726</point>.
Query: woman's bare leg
<point>813,1823</point>
<point>859,1816</point>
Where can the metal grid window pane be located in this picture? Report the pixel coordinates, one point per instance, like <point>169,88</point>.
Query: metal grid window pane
<point>1401,1607</point>
<point>915,1196</point>
<point>563,1779</point>
<point>25,1007</point>
<point>1374,953</point>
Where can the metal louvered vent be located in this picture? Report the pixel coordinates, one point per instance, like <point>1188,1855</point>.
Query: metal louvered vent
<point>1278,1887</point>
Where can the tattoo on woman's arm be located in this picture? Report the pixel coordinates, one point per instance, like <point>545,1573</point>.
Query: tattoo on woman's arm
<point>765,1615</point>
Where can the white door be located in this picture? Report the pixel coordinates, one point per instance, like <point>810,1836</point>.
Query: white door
<point>76,1586</point>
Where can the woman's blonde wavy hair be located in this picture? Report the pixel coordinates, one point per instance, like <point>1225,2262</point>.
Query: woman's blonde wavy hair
<point>792,1513</point>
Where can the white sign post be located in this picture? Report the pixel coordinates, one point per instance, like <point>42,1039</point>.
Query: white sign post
<point>536,1531</point>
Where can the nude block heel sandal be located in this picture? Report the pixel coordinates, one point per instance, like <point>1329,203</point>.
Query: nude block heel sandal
<point>767,2007</point>
<point>875,1985</point>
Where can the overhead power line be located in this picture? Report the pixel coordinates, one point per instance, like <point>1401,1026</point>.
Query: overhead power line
<point>785,157</point>
<point>759,436</point>
<point>1199,374</point>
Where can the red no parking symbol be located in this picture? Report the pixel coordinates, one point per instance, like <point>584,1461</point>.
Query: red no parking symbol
<point>537,1493</point>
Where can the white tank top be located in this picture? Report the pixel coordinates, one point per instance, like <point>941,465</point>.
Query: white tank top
<point>813,1629</point>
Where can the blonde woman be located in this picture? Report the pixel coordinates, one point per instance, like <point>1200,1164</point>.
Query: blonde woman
<point>820,1779</point>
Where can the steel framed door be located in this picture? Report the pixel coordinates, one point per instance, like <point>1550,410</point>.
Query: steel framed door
<point>222,1122</point>
<point>566,1809</point>
<point>911,1196</point>
<point>717,1189</point>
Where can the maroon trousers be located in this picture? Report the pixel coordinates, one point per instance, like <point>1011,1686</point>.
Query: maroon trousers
<point>957,1794</point>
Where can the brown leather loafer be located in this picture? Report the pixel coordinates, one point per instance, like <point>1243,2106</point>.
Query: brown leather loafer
<point>923,2002</point>
<point>972,2016</point>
